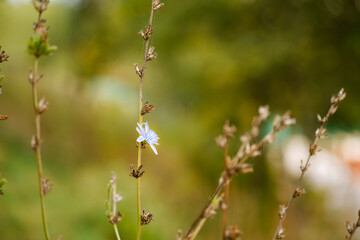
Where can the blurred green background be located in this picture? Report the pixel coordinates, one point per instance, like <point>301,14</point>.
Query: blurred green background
<point>218,60</point>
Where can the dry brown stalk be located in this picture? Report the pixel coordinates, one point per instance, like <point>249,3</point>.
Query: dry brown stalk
<point>313,149</point>
<point>352,229</point>
<point>237,165</point>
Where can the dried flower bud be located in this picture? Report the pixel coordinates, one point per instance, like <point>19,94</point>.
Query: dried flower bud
<point>264,112</point>
<point>348,227</point>
<point>282,210</point>
<point>148,32</point>
<point>34,142</point>
<point>146,108</point>
<point>228,130</point>
<point>136,173</point>
<point>116,218</point>
<point>233,233</point>
<point>138,70</point>
<point>313,149</point>
<point>157,5</point>
<point>43,105</point>
<point>245,138</point>
<point>151,54</point>
<point>31,76</point>
<point>221,141</point>
<point>46,186</point>
<point>320,132</point>
<point>146,217</point>
<point>280,234</point>
<point>320,119</point>
<point>299,192</point>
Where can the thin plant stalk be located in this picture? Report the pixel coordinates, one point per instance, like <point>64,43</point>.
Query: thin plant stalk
<point>39,46</point>
<point>227,192</point>
<point>114,208</point>
<point>320,133</point>
<point>37,149</point>
<point>198,228</point>
<point>238,165</point>
<point>141,101</point>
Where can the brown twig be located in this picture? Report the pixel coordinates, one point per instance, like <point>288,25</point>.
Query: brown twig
<point>237,164</point>
<point>352,229</point>
<point>320,133</point>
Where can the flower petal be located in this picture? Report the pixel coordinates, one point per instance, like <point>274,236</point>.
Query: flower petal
<point>140,139</point>
<point>146,127</point>
<point>153,148</point>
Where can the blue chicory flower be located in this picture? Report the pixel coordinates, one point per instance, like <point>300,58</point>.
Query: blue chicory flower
<point>147,135</point>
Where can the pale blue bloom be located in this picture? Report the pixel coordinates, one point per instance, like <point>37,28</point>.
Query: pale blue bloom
<point>147,135</point>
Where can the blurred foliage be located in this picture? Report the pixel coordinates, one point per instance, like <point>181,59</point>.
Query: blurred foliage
<point>218,60</point>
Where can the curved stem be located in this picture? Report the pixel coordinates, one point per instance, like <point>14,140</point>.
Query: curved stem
<point>38,149</point>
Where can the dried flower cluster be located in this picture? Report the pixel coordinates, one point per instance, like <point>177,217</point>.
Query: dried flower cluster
<point>114,198</point>
<point>351,229</point>
<point>235,165</point>
<point>313,149</point>
<point>113,215</point>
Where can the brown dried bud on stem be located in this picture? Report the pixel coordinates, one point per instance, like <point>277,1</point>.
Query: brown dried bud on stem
<point>146,217</point>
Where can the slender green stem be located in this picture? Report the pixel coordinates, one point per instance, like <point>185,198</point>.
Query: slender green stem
<point>117,232</point>
<point>140,122</point>
<point>38,149</point>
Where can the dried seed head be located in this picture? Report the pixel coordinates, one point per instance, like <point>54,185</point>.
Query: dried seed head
<point>139,71</point>
<point>157,5</point>
<point>147,34</point>
<point>348,227</point>
<point>280,234</point>
<point>299,192</point>
<point>264,112</point>
<point>43,105</point>
<point>146,108</point>
<point>221,141</point>
<point>233,233</point>
<point>151,54</point>
<point>41,5</point>
<point>136,173</point>
<point>228,130</point>
<point>282,210</point>
<point>146,217</point>
<point>46,185</point>
<point>116,218</point>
